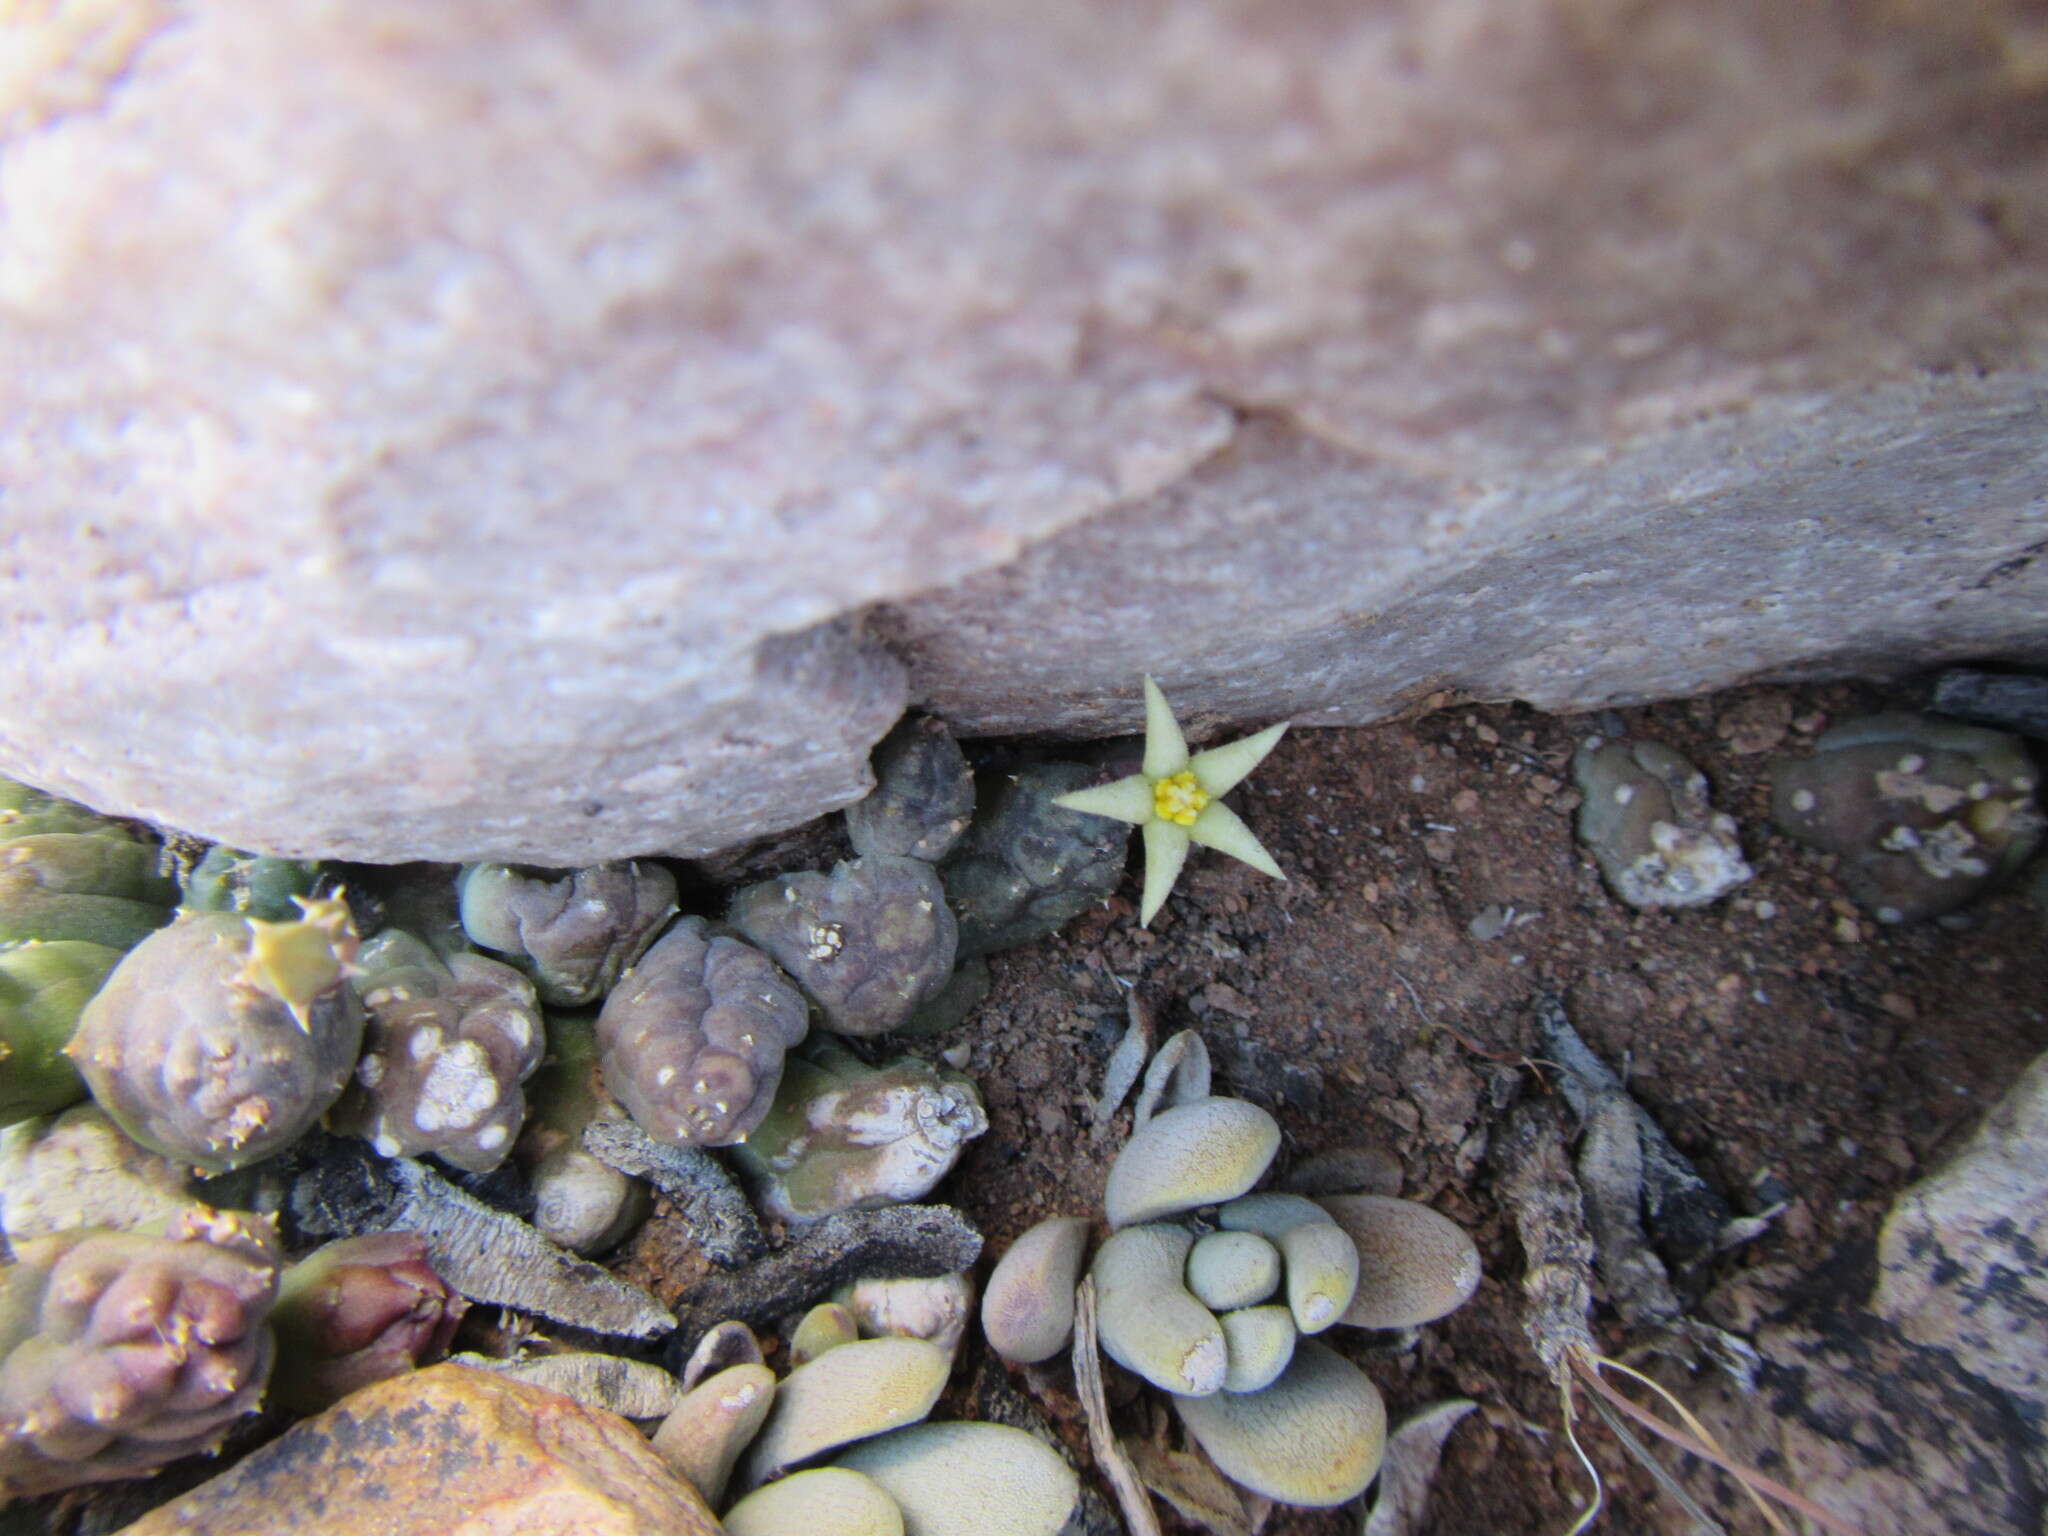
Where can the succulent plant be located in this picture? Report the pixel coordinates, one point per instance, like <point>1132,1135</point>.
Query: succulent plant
<point>447,1045</point>
<point>579,1200</point>
<point>823,1501</point>
<point>923,797</point>
<point>1415,1265</point>
<point>574,932</point>
<point>220,1040</point>
<point>843,1135</point>
<point>357,1311</point>
<point>848,1393</point>
<point>26,812</point>
<point>692,1042</point>
<point>705,1434</point>
<point>77,890</point>
<point>1148,1320</point>
<point>723,1346</point>
<point>965,1479</point>
<point>249,884</point>
<point>826,1326</point>
<point>121,1352</point>
<point>1315,1437</point>
<point>1026,867</point>
<point>80,1170</point>
<point>1260,1342</point>
<point>1176,800</point>
<point>1199,1153</point>
<point>870,943</point>
<point>1923,812</point>
<point>1027,1312</point>
<point>1319,1258</point>
<point>99,887</point>
<point>1227,1270</point>
<point>1646,819</point>
<point>43,989</point>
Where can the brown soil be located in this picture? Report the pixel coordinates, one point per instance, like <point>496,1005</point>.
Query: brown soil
<point>1779,1034</point>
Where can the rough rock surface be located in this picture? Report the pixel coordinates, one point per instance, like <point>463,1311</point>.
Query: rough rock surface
<point>446,1449</point>
<point>1963,1261</point>
<point>478,431</point>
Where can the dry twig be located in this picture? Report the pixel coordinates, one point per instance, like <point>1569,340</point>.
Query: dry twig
<point>1131,1496</point>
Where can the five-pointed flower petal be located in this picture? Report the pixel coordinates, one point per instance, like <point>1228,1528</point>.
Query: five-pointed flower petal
<point>1175,799</point>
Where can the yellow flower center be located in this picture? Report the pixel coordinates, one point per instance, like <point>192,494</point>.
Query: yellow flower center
<point>1179,799</point>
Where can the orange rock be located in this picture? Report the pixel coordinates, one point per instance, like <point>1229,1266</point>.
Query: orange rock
<point>449,1451</point>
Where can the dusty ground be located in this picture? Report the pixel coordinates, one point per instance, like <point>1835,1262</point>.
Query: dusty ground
<point>1780,1035</point>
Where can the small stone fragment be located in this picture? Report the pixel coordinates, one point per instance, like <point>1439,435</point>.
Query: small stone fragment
<point>923,797</point>
<point>870,943</point>
<point>221,1039</point>
<point>1027,867</point>
<point>1027,1312</point>
<point>1647,822</point>
<point>1757,723</point>
<point>1195,1154</point>
<point>705,1434</point>
<point>843,1135</point>
<point>1924,813</point>
<point>441,1450</point>
<point>446,1048</point>
<point>121,1352</point>
<point>82,1170</point>
<point>935,1309</point>
<point>1313,1438</point>
<point>2004,701</point>
<point>357,1311</point>
<point>575,932</point>
<point>693,1038</point>
<point>969,1479</point>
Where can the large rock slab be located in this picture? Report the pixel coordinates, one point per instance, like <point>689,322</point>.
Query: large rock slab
<point>488,430</point>
<point>439,1451</point>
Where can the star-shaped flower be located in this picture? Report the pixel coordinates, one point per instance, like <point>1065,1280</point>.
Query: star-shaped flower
<point>1177,800</point>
